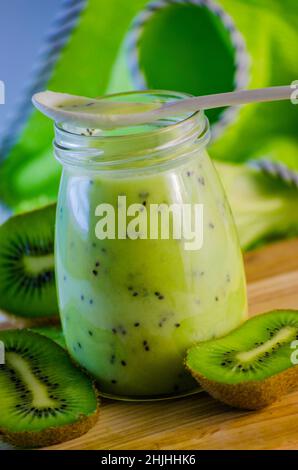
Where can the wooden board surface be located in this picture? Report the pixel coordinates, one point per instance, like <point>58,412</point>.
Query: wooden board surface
<point>199,422</point>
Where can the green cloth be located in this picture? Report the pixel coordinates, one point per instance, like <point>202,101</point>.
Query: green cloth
<point>272,43</point>
<point>271,34</point>
<point>182,47</point>
<point>31,176</point>
<point>30,172</point>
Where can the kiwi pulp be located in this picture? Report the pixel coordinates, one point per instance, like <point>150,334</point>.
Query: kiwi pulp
<point>55,333</point>
<point>44,398</point>
<point>27,273</point>
<point>253,365</point>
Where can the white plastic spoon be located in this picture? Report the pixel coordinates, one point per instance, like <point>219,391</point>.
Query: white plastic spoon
<point>103,113</point>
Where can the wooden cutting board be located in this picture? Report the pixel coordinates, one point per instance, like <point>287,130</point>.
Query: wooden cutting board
<point>199,422</point>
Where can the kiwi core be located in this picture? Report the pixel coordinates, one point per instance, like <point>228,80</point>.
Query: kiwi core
<point>40,397</point>
<point>37,264</point>
<point>283,336</point>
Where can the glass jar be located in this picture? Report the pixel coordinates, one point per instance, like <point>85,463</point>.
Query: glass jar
<point>133,297</point>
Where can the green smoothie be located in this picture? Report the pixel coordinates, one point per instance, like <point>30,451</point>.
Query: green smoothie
<point>131,308</point>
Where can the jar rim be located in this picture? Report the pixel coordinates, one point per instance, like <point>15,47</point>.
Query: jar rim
<point>96,147</point>
<point>171,95</point>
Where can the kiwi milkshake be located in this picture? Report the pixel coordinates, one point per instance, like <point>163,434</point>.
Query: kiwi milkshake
<point>131,306</point>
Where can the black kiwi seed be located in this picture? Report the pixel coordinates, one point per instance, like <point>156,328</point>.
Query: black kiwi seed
<point>112,360</point>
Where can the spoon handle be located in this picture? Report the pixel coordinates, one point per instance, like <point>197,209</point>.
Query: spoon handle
<point>234,98</point>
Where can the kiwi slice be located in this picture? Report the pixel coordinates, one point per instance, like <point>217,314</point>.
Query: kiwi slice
<point>27,274</point>
<point>55,333</point>
<point>44,398</point>
<point>252,366</point>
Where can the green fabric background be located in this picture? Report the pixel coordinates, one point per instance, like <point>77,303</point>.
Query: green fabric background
<point>30,175</point>
<point>30,172</point>
<point>272,41</point>
<point>271,38</point>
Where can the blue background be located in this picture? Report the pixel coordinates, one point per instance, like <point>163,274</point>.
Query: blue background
<point>23,24</point>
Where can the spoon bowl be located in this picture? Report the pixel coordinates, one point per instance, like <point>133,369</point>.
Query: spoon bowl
<point>102,113</point>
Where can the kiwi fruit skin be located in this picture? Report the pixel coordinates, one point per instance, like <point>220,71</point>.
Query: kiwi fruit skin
<point>27,273</point>
<point>247,393</point>
<point>253,395</point>
<point>51,436</point>
<point>80,421</point>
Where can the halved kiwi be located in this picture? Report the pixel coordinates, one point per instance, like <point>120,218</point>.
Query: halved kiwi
<point>44,398</point>
<point>252,366</point>
<point>27,274</point>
